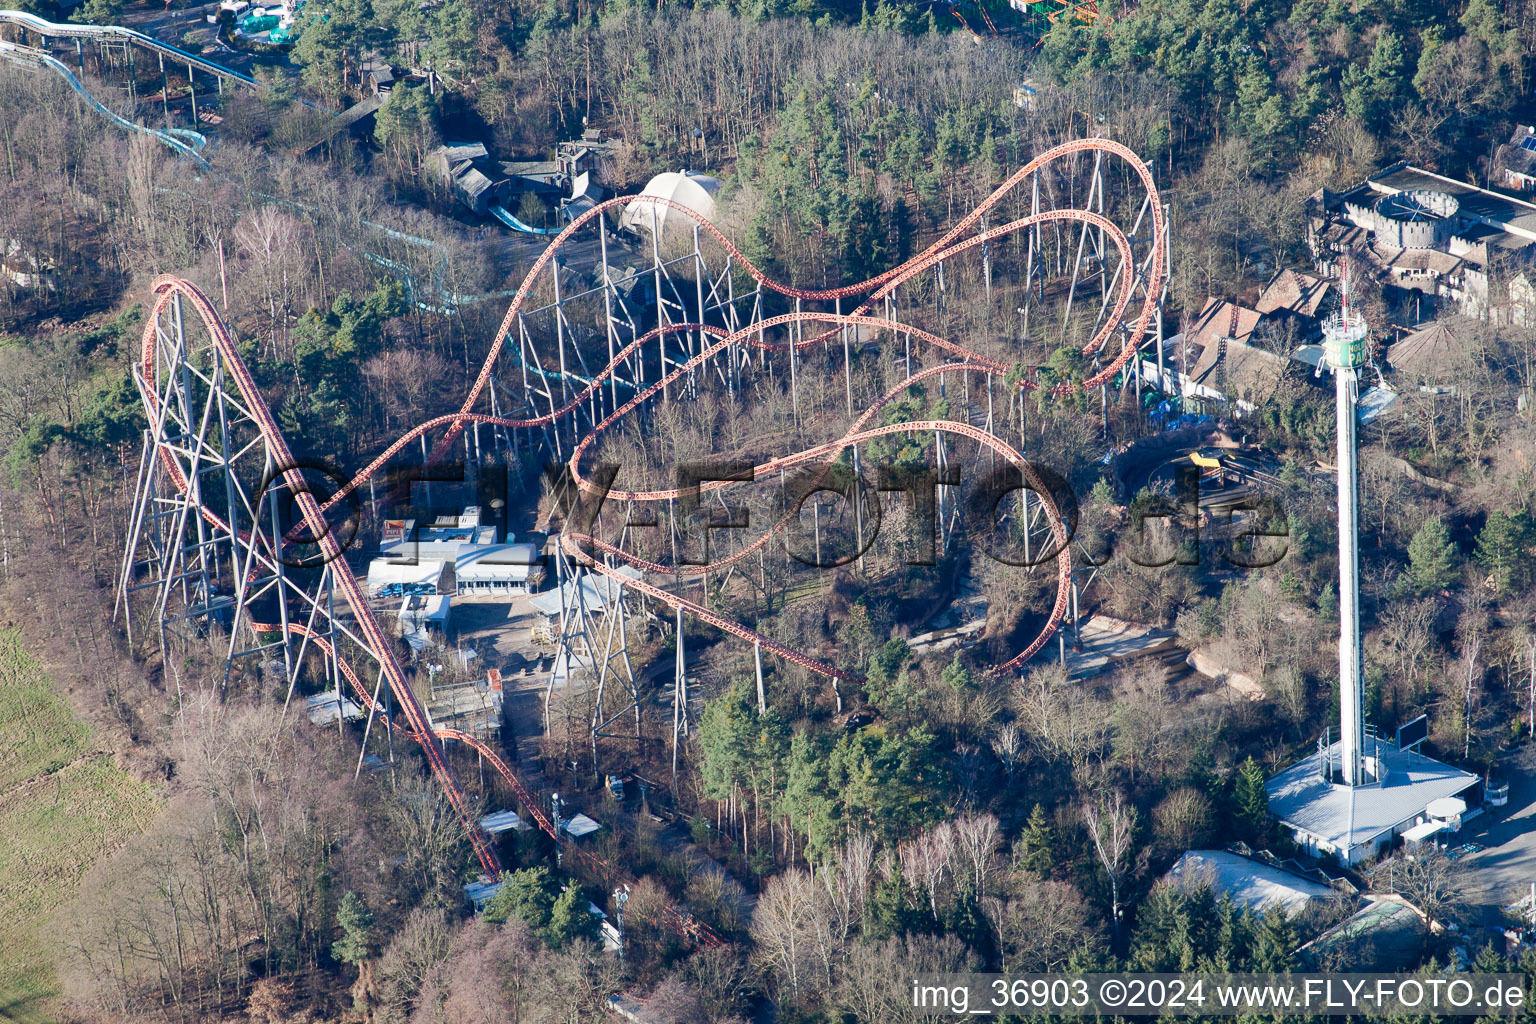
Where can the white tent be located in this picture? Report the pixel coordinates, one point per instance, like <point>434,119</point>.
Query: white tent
<point>695,191</point>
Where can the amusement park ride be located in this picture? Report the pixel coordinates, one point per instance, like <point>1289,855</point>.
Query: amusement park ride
<point>214,553</point>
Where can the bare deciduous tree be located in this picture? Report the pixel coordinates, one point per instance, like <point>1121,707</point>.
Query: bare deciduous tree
<point>1040,926</point>
<point>1112,830</point>
<point>793,915</point>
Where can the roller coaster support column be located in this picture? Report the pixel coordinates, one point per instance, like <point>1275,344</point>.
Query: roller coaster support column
<point>661,306</point>
<point>608,321</point>
<point>794,386</point>
<point>679,696</point>
<point>565,377</point>
<point>696,337</point>
<point>757,657</point>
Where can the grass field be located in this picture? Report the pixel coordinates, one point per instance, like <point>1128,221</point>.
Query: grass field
<point>61,807</point>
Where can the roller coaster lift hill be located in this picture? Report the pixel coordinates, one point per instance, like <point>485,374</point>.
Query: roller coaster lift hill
<point>208,541</point>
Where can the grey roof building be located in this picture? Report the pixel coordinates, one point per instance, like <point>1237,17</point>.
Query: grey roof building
<point>1517,159</point>
<point>1330,819</point>
<point>1254,884</point>
<point>1424,232</point>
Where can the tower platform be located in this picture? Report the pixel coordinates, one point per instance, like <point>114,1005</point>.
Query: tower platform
<point>1353,824</point>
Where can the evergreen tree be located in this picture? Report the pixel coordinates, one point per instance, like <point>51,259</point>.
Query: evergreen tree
<point>1502,550</point>
<point>957,676</point>
<point>892,912</point>
<point>97,12</point>
<point>1037,846</point>
<point>1432,557</point>
<point>1489,961</point>
<point>527,894</point>
<point>1232,937</point>
<point>1251,802</point>
<point>571,918</point>
<point>1274,941</point>
<point>356,920</point>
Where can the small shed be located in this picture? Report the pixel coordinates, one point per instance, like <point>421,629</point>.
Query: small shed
<point>1518,158</point>
<point>504,821</point>
<point>379,76</point>
<point>480,891</point>
<point>424,611</point>
<point>578,825</point>
<point>323,708</point>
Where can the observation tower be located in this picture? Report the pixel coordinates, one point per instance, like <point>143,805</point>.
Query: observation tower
<point>1344,353</point>
<point>1355,795</point>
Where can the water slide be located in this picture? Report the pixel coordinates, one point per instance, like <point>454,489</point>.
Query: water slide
<point>125,35</point>
<point>503,215</point>
<point>184,141</point>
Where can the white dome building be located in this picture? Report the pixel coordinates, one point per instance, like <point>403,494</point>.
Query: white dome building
<point>688,188</point>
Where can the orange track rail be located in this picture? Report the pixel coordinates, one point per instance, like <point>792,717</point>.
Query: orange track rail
<point>416,722</point>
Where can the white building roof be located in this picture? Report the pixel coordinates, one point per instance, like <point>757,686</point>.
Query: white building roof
<point>323,708</point>
<point>420,608</point>
<point>1300,797</point>
<point>1252,883</point>
<point>495,562</point>
<point>503,821</point>
<point>480,891</point>
<point>1419,833</point>
<point>579,825</point>
<point>384,571</point>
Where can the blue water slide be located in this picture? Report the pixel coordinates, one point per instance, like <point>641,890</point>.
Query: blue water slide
<point>512,222</point>
<point>184,141</point>
<point>49,28</point>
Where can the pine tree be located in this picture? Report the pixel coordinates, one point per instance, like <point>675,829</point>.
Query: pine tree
<point>1501,550</point>
<point>957,676</point>
<point>1489,961</point>
<point>1037,846</point>
<point>525,894</point>
<point>356,920</point>
<point>571,918</point>
<point>1273,943</point>
<point>1251,801</point>
<point>1432,557</point>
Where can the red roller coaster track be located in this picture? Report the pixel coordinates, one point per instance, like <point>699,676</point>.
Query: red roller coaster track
<point>416,723</point>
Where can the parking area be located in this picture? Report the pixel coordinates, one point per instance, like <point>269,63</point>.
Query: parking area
<point>502,631</point>
<point>1502,872</point>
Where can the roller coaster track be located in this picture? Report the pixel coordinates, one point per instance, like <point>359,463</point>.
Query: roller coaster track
<point>416,723</point>
<point>875,289</point>
<point>187,143</point>
<point>116,33</point>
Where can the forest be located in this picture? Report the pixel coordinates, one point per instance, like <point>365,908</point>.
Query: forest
<point>975,822</point>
